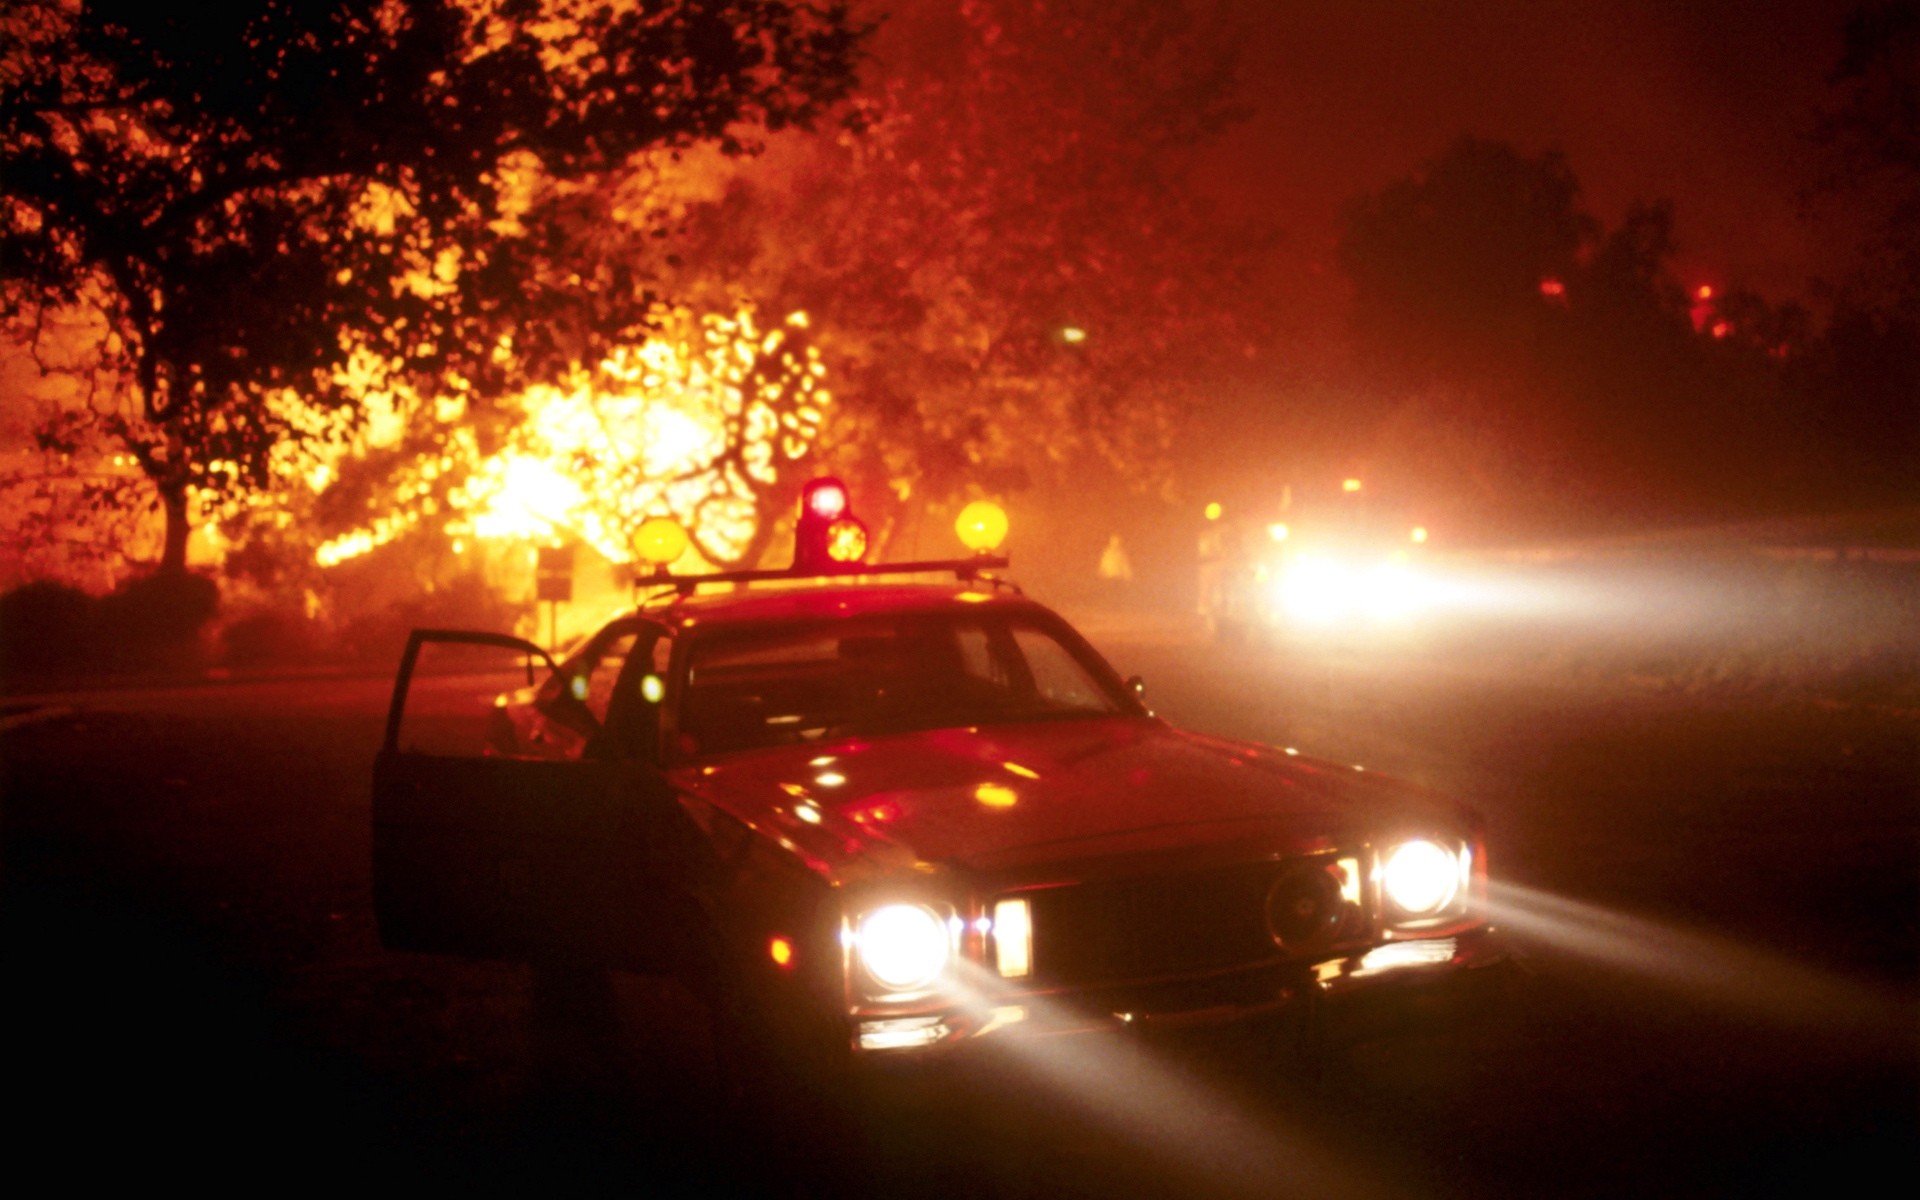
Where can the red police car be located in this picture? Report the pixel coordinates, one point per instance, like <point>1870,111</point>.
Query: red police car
<point>888,819</point>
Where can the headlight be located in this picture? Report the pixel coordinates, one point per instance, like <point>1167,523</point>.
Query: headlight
<point>1316,589</point>
<point>1420,878</point>
<point>903,946</point>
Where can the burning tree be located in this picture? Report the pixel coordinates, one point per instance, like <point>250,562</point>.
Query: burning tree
<point>703,421</point>
<point>343,198</point>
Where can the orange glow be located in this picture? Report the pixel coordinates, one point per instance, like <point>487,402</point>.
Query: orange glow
<point>1213,510</point>
<point>1553,289</point>
<point>1703,292</point>
<point>1349,485</point>
<point>780,949</point>
<point>880,813</point>
<point>1419,534</point>
<point>1278,531</point>
<point>1721,329</point>
<point>996,795</point>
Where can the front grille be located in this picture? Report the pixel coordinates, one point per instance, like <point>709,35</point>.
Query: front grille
<point>1158,925</point>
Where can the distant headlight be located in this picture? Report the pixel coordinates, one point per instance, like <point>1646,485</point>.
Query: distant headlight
<point>1316,589</point>
<point>1420,878</point>
<point>903,946</point>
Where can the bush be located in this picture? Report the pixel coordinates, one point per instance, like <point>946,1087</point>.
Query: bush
<point>272,636</point>
<point>156,619</point>
<point>45,626</point>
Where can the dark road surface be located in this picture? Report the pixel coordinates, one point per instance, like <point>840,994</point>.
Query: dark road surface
<point>1716,903</point>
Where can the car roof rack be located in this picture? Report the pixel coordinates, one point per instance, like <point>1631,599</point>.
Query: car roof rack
<point>964,569</point>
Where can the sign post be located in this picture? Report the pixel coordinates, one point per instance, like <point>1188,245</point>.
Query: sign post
<point>553,583</point>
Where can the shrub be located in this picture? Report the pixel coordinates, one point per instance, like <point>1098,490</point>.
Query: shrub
<point>45,626</point>
<point>156,619</point>
<point>271,636</point>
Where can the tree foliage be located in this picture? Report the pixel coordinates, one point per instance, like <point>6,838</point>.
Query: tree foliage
<point>1558,367</point>
<point>335,197</point>
<point>1009,269</point>
<point>1447,266</point>
<point>1870,137</point>
<point>1864,378</point>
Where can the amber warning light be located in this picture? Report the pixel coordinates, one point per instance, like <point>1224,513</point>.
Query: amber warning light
<point>982,526</point>
<point>829,541</point>
<point>659,542</point>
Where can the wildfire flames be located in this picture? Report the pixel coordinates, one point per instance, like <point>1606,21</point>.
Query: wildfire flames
<point>695,426</point>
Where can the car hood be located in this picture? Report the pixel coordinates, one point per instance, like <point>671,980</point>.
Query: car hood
<point>1002,798</point>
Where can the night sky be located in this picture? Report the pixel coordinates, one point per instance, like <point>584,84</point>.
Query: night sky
<point>1708,103</point>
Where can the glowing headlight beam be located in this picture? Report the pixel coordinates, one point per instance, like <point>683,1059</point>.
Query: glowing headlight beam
<point>1707,968</point>
<point>1203,1132</point>
<point>1318,590</point>
<point>903,946</point>
<point>1420,878</point>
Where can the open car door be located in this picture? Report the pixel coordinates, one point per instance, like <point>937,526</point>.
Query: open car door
<point>482,853</point>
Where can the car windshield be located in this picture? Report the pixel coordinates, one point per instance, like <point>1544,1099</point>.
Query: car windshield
<point>801,683</point>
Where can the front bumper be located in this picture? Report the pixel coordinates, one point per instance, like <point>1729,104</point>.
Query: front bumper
<point>1410,970</point>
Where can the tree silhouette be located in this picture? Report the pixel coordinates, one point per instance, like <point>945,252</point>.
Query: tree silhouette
<point>1447,266</point>
<point>1559,367</point>
<point>1870,136</point>
<point>1864,373</point>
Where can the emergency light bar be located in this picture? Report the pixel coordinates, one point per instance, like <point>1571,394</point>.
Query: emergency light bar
<point>962,568</point>
<point>829,543</point>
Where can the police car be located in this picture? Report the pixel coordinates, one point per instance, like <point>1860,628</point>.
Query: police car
<point>884,818</point>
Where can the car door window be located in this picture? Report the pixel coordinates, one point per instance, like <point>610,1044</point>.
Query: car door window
<point>579,694</point>
<point>980,658</point>
<point>1058,678</point>
<point>605,672</point>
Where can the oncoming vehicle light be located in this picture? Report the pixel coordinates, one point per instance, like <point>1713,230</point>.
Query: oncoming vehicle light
<point>1420,878</point>
<point>1316,589</point>
<point>904,947</point>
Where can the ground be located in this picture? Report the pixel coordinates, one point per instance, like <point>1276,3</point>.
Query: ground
<point>1715,897</point>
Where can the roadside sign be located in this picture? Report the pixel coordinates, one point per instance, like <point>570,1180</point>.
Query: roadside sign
<point>553,574</point>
